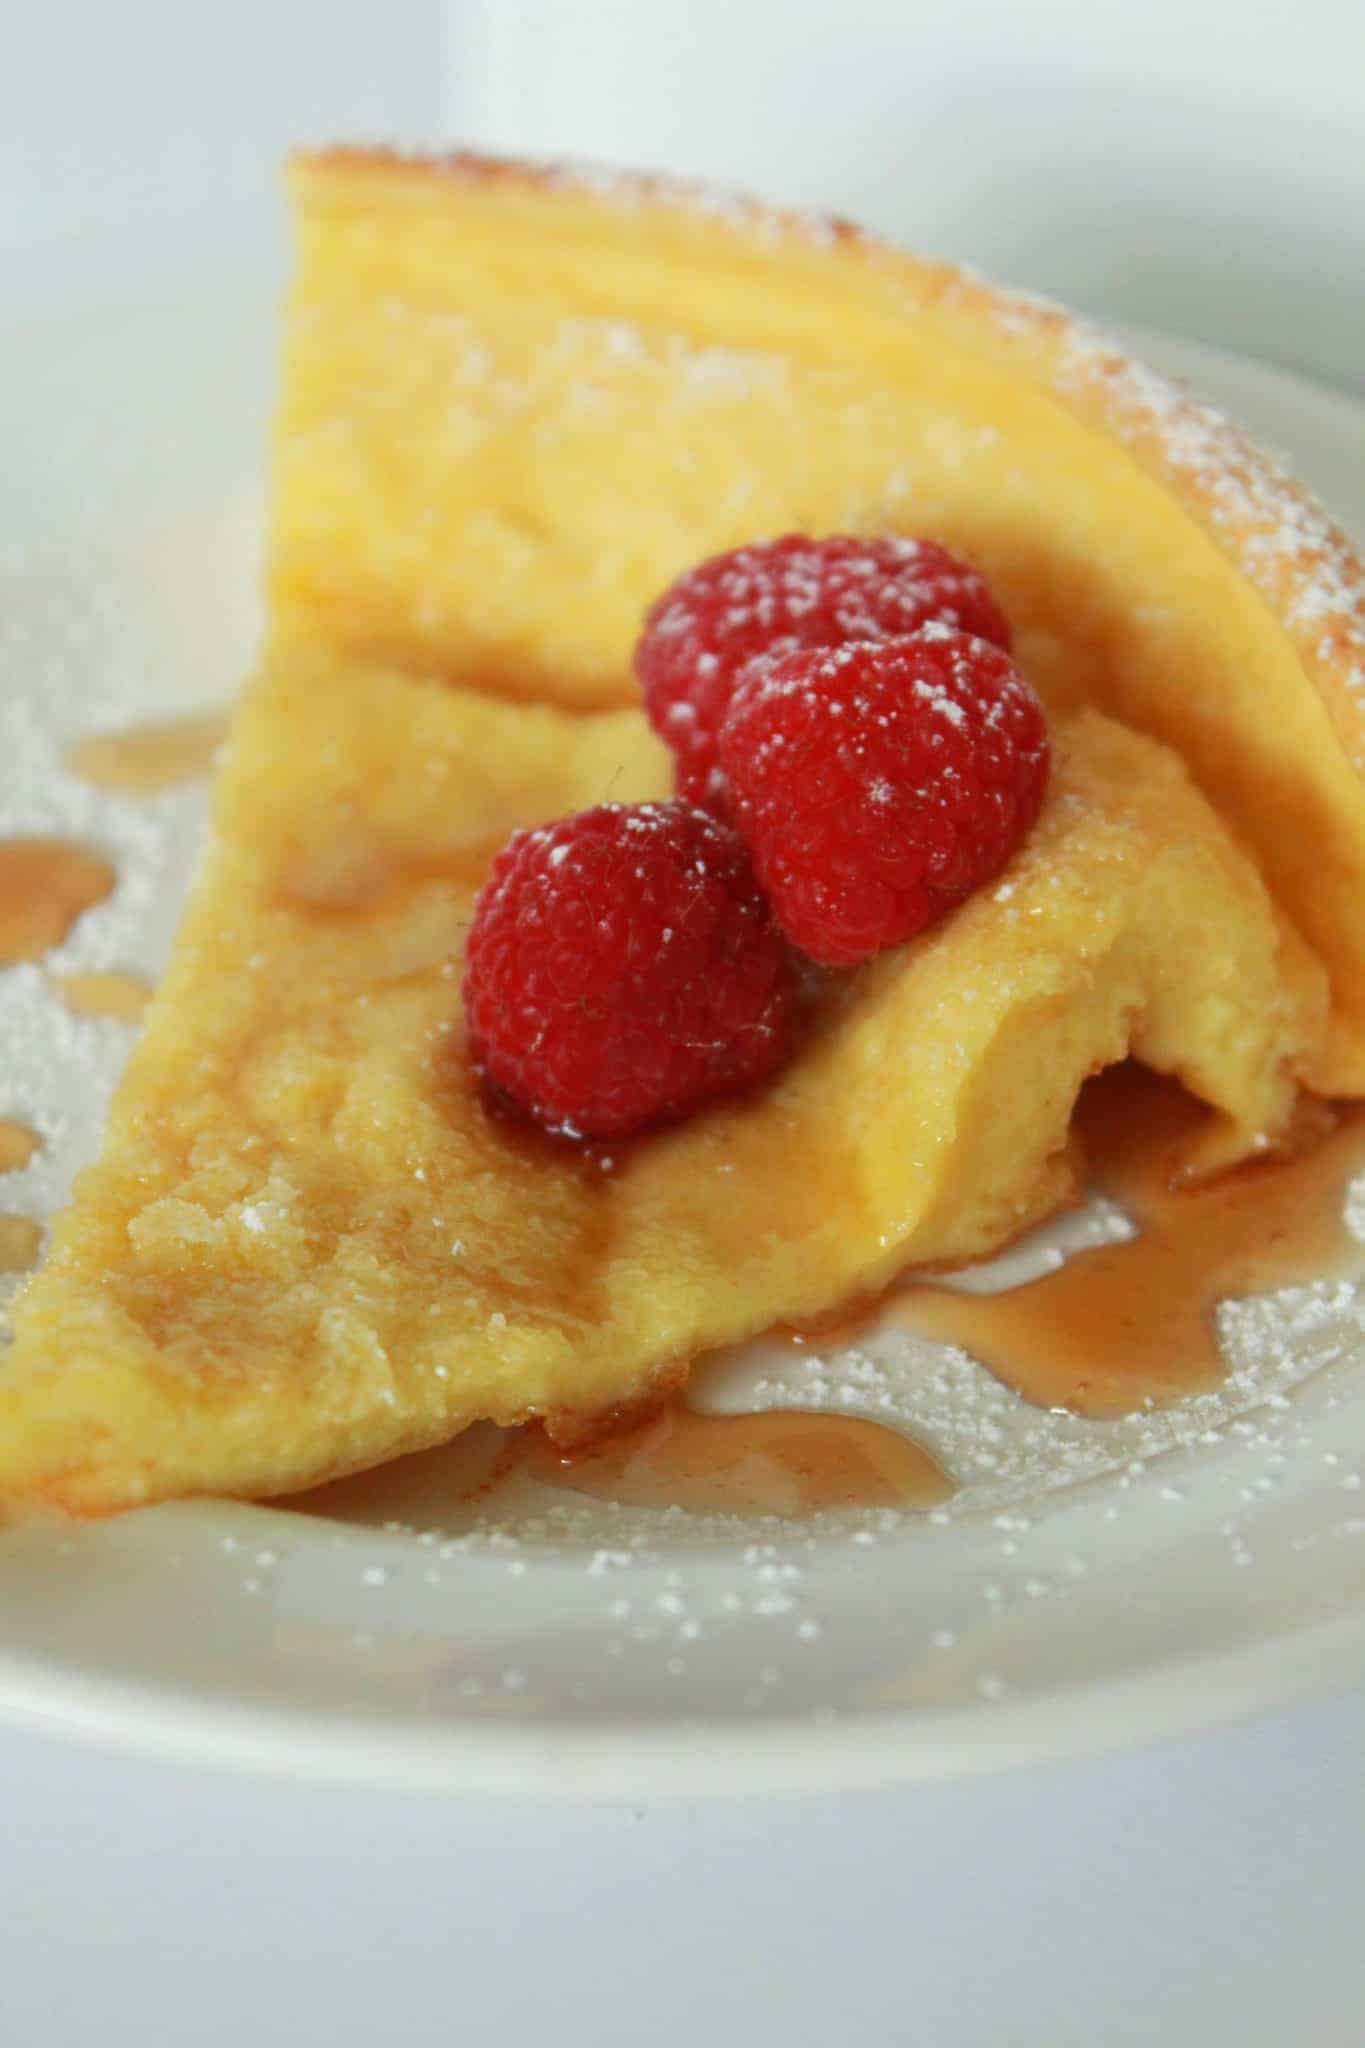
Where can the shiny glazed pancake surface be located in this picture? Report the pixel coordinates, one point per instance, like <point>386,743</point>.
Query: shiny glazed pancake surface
<point>513,407</point>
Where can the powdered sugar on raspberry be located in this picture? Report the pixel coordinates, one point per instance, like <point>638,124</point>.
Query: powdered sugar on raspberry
<point>778,597</point>
<point>880,782</point>
<point>622,970</point>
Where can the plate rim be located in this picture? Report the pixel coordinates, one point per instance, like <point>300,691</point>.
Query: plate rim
<point>777,1755</point>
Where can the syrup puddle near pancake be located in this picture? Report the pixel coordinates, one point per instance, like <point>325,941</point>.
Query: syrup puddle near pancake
<point>123,997</point>
<point>1127,1326</point>
<point>143,760</point>
<point>1118,1329</point>
<point>18,1144</point>
<point>21,1240</point>
<point>786,1464</point>
<point>45,885</point>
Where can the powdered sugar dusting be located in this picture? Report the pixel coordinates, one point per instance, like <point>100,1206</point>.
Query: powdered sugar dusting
<point>619,187</point>
<point>1278,533</point>
<point>103,625</point>
<point>1281,537</point>
<point>777,597</point>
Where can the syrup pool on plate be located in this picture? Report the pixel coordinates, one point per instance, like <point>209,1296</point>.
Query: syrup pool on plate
<point>145,759</point>
<point>18,1145</point>
<point>1127,1326</point>
<point>1118,1328</point>
<point>45,886</point>
<point>782,1463</point>
<point>109,994</point>
<point>21,1240</point>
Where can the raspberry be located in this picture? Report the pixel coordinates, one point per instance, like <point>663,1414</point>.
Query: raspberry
<point>879,783</point>
<point>773,598</point>
<point>623,969</point>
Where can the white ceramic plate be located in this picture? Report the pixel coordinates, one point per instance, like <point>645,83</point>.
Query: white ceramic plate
<point>1090,1584</point>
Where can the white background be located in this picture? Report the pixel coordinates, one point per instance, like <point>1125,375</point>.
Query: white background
<point>1194,164</point>
<point>1199,1895</point>
<point>1191,165</point>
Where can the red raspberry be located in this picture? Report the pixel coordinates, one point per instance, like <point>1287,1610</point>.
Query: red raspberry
<point>773,598</point>
<point>879,783</point>
<point>624,969</point>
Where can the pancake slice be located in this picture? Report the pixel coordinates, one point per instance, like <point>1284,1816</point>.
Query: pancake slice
<point>310,1245</point>
<point>515,405</point>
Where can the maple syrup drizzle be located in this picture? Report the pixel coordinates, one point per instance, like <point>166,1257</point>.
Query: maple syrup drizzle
<point>425,1490</point>
<point>18,1144</point>
<point>21,1240</point>
<point>45,885</point>
<point>782,1462</point>
<point>1126,1326</point>
<point>145,759</point>
<point>121,996</point>
<point>1117,1328</point>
